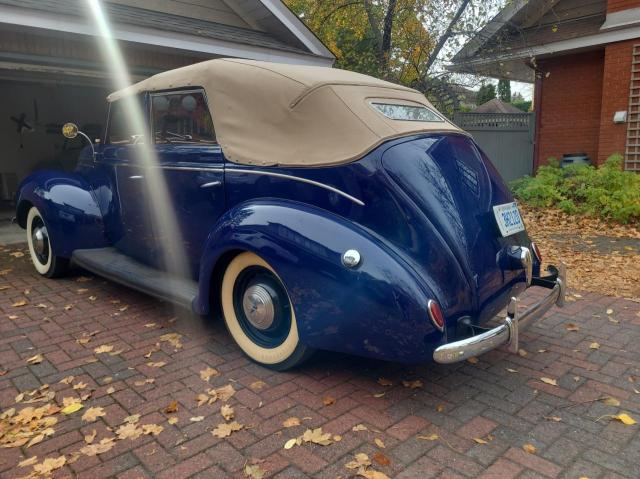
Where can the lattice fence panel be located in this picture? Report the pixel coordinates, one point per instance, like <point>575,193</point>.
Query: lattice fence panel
<point>632,152</point>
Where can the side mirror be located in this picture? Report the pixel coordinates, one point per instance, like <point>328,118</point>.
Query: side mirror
<point>70,130</point>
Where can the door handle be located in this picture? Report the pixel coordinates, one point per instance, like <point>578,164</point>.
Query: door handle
<point>136,177</point>
<point>210,184</point>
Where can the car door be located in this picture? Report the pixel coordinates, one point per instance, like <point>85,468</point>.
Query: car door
<point>126,151</point>
<point>192,165</point>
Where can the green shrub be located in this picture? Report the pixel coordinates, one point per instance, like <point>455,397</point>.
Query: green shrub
<point>606,192</point>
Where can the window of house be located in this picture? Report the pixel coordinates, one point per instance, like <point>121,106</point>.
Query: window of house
<point>123,128</point>
<point>395,111</point>
<point>181,117</point>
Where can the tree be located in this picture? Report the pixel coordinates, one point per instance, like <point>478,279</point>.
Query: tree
<point>399,40</point>
<point>486,92</point>
<point>504,90</point>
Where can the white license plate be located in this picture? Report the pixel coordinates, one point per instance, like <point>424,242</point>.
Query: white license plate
<point>508,219</point>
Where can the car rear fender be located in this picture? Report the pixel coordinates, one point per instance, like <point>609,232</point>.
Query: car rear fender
<point>378,308</point>
<point>68,207</point>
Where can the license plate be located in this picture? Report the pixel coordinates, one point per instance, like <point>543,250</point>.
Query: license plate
<point>508,219</point>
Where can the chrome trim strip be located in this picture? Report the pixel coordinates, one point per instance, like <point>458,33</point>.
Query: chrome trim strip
<point>297,178</point>
<point>253,172</point>
<point>507,332</point>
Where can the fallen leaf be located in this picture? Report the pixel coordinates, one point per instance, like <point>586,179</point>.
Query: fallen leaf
<point>103,446</point>
<point>379,395</point>
<point>225,429</point>
<point>610,401</point>
<point>381,459</point>
<point>291,422</point>
<point>227,412</point>
<point>431,437</point>
<point>79,385</point>
<point>553,418</point>
<point>172,420</point>
<point>361,461</point>
<point>173,339</point>
<point>290,443</point>
<point>152,429</point>
<point>254,471</point>
<point>550,381</point>
<point>572,327</point>
<point>68,380</point>
<point>530,448</point>
<point>88,438</point>
<point>172,407</point>
<point>37,359</point>
<point>609,311</point>
<point>257,385</point>
<point>150,325</point>
<point>93,413</point>
<point>158,364</point>
<point>440,408</point>
<point>473,360</point>
<point>317,436</point>
<point>328,400</point>
<point>144,381</point>
<point>208,373</point>
<point>412,384</point>
<point>359,427</point>
<point>129,431</point>
<point>511,370</point>
<point>594,346</point>
<point>385,382</point>
<point>28,462</point>
<point>225,393</point>
<point>625,419</point>
<point>480,440</point>
<point>196,419</point>
<point>105,348</point>
<point>17,254</point>
<point>19,303</point>
<point>49,464</point>
<point>71,408</point>
<point>379,443</point>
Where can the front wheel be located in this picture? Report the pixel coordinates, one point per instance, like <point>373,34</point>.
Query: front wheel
<point>45,262</point>
<point>259,314</point>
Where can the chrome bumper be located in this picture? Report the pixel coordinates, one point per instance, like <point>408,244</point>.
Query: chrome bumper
<point>507,332</point>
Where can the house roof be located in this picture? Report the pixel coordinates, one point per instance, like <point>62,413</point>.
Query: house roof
<point>295,115</point>
<point>277,35</point>
<point>528,30</point>
<point>497,106</point>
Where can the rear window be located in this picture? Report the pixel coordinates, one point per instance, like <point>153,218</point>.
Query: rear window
<point>397,111</point>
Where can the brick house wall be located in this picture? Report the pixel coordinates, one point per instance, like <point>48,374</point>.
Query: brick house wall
<point>570,93</point>
<point>619,5</point>
<point>615,97</point>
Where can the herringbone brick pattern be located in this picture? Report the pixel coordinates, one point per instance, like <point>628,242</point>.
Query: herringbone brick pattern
<point>500,399</point>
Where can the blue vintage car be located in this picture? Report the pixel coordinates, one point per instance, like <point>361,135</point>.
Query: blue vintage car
<point>314,208</point>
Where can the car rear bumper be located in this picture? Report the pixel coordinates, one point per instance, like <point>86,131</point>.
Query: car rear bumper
<point>507,332</point>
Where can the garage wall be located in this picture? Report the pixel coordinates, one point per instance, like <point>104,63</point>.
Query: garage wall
<point>56,105</point>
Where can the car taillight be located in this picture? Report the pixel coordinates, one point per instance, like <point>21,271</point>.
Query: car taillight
<point>435,313</point>
<point>536,251</point>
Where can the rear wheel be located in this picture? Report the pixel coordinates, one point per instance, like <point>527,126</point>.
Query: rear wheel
<point>45,262</point>
<point>259,314</point>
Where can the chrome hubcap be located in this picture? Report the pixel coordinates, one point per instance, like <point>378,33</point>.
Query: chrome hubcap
<point>258,307</point>
<point>39,239</point>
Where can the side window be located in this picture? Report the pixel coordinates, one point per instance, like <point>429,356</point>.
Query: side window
<point>181,117</point>
<point>122,129</point>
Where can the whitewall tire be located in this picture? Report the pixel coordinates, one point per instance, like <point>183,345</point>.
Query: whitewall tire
<point>259,314</point>
<point>42,257</point>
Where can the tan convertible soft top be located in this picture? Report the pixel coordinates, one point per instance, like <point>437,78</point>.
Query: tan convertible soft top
<point>277,114</point>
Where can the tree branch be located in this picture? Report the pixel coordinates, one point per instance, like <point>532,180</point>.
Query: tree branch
<point>443,39</point>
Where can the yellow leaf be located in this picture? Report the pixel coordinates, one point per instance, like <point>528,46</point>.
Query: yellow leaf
<point>625,419</point>
<point>19,303</point>
<point>35,440</point>
<point>254,471</point>
<point>111,390</point>
<point>93,413</point>
<point>572,327</point>
<point>609,311</point>
<point>71,408</point>
<point>196,419</point>
<point>172,420</point>
<point>594,346</point>
<point>172,407</point>
<point>105,348</point>
<point>37,359</point>
<point>431,437</point>
<point>511,370</point>
<point>359,427</point>
<point>88,438</point>
<point>257,385</point>
<point>290,443</point>
<point>158,364</point>
<point>379,443</point>
<point>550,381</point>
<point>291,422</point>
<point>103,446</point>
<point>479,440</point>
<point>79,385</point>
<point>68,380</point>
<point>225,429</point>
<point>129,431</point>
<point>28,462</point>
<point>207,373</point>
<point>412,384</point>
<point>49,464</point>
<point>153,429</point>
<point>530,448</point>
<point>473,360</point>
<point>610,401</point>
<point>227,412</point>
<point>553,418</point>
<point>360,462</point>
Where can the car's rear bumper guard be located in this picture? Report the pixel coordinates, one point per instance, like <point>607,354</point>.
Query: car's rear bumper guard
<point>507,332</point>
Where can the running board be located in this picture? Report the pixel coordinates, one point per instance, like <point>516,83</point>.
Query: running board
<point>120,268</point>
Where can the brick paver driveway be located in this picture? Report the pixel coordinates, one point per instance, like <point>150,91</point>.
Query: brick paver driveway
<point>427,431</point>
